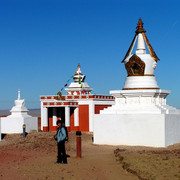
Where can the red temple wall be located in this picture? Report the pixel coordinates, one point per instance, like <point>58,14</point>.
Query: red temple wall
<point>83,117</point>
<point>97,108</point>
<point>72,127</point>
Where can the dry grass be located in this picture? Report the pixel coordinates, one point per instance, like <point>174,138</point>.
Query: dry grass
<point>151,164</point>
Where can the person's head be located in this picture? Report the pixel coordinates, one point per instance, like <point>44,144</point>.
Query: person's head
<point>59,123</point>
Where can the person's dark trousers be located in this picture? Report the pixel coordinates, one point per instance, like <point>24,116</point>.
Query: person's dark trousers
<point>62,158</point>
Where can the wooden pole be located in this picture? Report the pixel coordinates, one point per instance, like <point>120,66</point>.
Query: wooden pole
<point>78,143</point>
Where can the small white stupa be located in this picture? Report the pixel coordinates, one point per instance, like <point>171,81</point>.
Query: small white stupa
<point>140,115</point>
<point>19,116</point>
<point>19,109</point>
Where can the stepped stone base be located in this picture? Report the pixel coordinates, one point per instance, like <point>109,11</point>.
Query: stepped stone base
<point>139,117</point>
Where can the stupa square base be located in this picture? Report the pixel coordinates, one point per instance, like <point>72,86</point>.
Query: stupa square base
<point>10,125</point>
<point>155,130</point>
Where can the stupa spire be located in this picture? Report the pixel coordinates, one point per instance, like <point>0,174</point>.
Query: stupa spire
<point>140,34</point>
<point>141,49</point>
<point>79,77</point>
<point>139,27</point>
<point>78,70</point>
<point>19,95</point>
<point>19,107</point>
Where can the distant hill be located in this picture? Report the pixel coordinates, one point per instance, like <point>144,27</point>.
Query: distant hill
<point>4,112</point>
<point>32,112</point>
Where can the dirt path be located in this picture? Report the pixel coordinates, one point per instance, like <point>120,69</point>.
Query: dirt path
<point>33,157</point>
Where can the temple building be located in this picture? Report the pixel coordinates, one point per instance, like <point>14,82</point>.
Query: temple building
<point>140,115</point>
<point>76,109</point>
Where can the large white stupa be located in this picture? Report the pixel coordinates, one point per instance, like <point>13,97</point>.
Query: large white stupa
<point>19,116</point>
<point>140,115</point>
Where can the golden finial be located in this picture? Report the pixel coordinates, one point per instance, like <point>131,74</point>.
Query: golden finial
<point>139,27</point>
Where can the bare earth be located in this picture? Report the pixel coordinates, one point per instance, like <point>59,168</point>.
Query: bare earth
<point>33,157</point>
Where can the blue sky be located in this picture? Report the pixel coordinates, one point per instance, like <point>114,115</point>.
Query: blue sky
<point>42,42</point>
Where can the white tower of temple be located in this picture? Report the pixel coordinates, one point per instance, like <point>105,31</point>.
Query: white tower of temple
<point>140,115</point>
<point>78,86</point>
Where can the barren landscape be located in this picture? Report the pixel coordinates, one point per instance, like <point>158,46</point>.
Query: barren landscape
<point>33,157</point>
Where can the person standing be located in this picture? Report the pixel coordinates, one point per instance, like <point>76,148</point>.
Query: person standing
<point>61,136</point>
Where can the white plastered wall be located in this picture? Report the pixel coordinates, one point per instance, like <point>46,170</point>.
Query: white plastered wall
<point>156,130</point>
<point>172,129</point>
<point>15,125</point>
<point>130,129</point>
